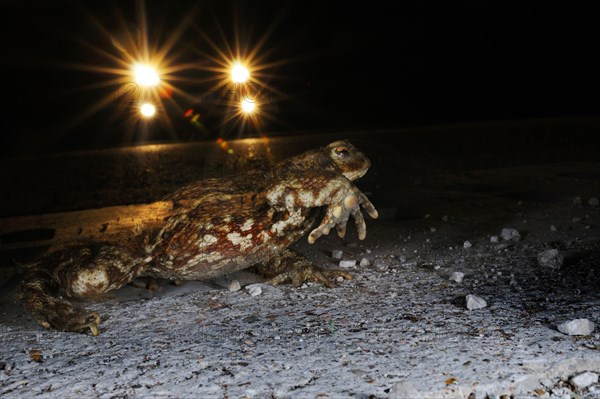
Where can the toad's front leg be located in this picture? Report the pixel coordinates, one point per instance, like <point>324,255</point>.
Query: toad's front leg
<point>309,190</point>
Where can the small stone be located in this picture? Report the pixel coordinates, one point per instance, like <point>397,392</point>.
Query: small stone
<point>254,289</point>
<point>494,239</point>
<point>337,254</point>
<point>364,262</point>
<point>457,276</point>
<point>576,327</point>
<point>553,228</point>
<point>576,219</point>
<point>445,218</point>
<point>593,202</point>
<point>475,302</point>
<point>550,258</point>
<point>381,264</point>
<point>403,390</point>
<point>347,263</point>
<point>577,201</point>
<point>584,380</point>
<point>562,392</point>
<point>234,286</point>
<point>433,229</point>
<point>510,234</point>
<point>467,245</point>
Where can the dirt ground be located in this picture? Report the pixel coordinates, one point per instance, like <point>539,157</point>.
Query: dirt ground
<point>400,329</point>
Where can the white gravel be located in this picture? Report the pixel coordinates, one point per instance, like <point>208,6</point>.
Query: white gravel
<point>475,302</point>
<point>365,262</point>
<point>551,259</point>
<point>576,327</point>
<point>254,289</point>
<point>584,380</point>
<point>457,276</point>
<point>346,263</point>
<point>510,234</point>
<point>235,286</point>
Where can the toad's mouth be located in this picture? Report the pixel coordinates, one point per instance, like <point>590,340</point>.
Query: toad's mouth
<point>355,174</point>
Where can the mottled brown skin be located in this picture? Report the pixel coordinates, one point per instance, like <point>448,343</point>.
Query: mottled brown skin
<point>216,227</point>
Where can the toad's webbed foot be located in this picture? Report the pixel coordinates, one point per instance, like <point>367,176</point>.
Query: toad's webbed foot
<point>291,266</point>
<point>59,314</point>
<point>337,216</point>
<point>315,274</point>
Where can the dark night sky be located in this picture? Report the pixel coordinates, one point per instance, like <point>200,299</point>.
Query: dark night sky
<point>338,65</point>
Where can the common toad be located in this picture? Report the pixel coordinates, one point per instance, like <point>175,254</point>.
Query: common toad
<point>216,227</point>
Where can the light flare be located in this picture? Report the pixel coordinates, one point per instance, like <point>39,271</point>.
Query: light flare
<point>147,110</point>
<point>146,75</point>
<point>248,106</point>
<point>239,73</point>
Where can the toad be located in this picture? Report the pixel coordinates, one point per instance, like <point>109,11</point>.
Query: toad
<point>216,227</point>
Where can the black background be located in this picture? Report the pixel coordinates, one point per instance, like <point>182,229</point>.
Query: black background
<point>335,65</point>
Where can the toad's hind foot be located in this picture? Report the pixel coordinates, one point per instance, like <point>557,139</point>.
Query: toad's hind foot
<point>59,314</point>
<point>291,266</point>
<point>299,275</point>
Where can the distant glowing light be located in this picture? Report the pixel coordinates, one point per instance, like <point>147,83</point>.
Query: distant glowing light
<point>248,106</point>
<point>239,73</point>
<point>146,75</point>
<point>148,110</point>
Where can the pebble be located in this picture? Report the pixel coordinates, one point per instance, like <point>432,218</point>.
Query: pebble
<point>494,239</point>
<point>562,392</point>
<point>254,289</point>
<point>337,254</point>
<point>234,286</point>
<point>510,234</point>
<point>433,229</point>
<point>475,302</point>
<point>347,263</point>
<point>457,276</point>
<point>553,228</point>
<point>550,258</point>
<point>381,264</point>
<point>364,262</point>
<point>404,389</point>
<point>593,202</point>
<point>467,245</point>
<point>577,201</point>
<point>445,218</point>
<point>576,219</point>
<point>584,380</point>
<point>576,327</point>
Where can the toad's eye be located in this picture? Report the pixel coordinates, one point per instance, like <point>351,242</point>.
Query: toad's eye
<point>342,151</point>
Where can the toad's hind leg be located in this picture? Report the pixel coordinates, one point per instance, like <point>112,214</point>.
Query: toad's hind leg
<point>82,271</point>
<point>295,268</point>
